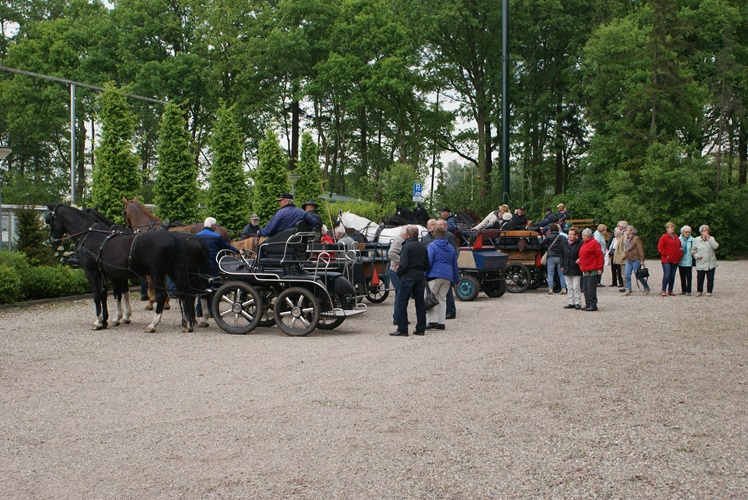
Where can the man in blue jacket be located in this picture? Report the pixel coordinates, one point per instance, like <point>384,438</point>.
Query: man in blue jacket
<point>286,217</point>
<point>446,214</point>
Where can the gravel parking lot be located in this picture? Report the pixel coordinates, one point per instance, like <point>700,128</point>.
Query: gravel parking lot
<point>517,398</point>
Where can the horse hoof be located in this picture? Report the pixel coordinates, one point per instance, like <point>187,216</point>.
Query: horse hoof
<point>167,306</point>
<point>203,324</point>
<point>150,329</point>
<point>149,307</point>
<point>126,321</point>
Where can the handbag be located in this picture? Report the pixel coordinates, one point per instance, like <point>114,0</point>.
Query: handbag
<point>642,273</point>
<point>430,299</point>
<point>544,258</point>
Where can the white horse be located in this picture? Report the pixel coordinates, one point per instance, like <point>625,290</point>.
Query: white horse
<point>370,229</point>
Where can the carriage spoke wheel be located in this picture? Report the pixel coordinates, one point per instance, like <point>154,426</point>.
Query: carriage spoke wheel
<point>377,293</point>
<point>296,311</point>
<point>537,277</point>
<point>237,308</point>
<point>495,288</point>
<point>329,322</point>
<point>267,317</point>
<point>467,288</point>
<point>517,278</point>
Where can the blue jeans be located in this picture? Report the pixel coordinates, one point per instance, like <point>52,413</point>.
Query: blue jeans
<point>668,276</point>
<point>414,287</point>
<point>451,308</point>
<point>552,263</point>
<point>633,266</point>
<point>395,282</point>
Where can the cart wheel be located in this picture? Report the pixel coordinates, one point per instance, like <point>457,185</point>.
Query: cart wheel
<point>267,318</point>
<point>377,294</point>
<point>329,322</point>
<point>237,307</point>
<point>296,311</point>
<point>537,278</point>
<point>517,278</point>
<point>467,288</point>
<point>495,289</point>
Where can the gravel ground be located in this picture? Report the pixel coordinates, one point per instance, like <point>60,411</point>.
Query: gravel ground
<point>517,398</point>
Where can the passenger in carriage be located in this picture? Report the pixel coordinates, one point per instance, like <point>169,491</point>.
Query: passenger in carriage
<point>215,243</point>
<point>507,222</point>
<point>491,218</point>
<point>252,228</point>
<point>549,219</point>
<point>344,238</point>
<point>520,219</point>
<point>326,239</point>
<point>446,214</point>
<point>286,217</point>
<point>310,207</point>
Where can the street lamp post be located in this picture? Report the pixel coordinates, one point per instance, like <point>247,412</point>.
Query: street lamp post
<point>4,151</point>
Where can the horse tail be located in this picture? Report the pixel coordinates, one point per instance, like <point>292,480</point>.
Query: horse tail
<point>180,270</point>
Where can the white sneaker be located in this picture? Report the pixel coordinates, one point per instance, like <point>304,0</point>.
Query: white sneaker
<point>708,294</point>
<point>627,293</point>
<point>563,291</point>
<point>550,292</point>
<point>698,294</point>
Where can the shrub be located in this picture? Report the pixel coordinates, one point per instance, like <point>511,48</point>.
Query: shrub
<point>48,282</point>
<point>10,285</point>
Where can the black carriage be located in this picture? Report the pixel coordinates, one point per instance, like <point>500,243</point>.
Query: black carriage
<point>287,283</point>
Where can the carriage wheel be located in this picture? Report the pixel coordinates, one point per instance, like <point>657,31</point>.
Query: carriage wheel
<point>296,311</point>
<point>267,318</point>
<point>378,293</point>
<point>329,322</point>
<point>467,288</point>
<point>537,278</point>
<point>495,288</point>
<point>237,307</point>
<point>517,278</point>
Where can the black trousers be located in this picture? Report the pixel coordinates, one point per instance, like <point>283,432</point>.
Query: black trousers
<point>617,272</point>
<point>709,275</point>
<point>590,290</point>
<point>686,277</point>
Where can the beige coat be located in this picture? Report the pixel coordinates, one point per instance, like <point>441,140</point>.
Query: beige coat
<point>619,257</point>
<point>703,253</point>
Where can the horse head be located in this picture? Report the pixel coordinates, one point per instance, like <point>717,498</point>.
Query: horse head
<point>64,219</point>
<point>137,215</point>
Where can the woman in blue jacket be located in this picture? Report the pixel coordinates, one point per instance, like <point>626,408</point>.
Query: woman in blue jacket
<point>440,277</point>
<point>685,265</point>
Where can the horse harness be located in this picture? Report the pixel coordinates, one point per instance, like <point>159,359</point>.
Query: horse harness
<point>97,256</point>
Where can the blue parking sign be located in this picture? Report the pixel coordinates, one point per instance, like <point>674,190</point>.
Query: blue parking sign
<point>417,189</point>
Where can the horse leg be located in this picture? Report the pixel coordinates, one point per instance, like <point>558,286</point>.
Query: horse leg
<point>203,321</point>
<point>102,315</point>
<point>128,308</point>
<point>188,313</point>
<point>160,298</point>
<point>167,301</point>
<point>117,294</point>
<point>151,294</point>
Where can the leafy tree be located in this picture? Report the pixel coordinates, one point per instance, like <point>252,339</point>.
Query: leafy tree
<point>228,198</point>
<point>116,172</point>
<point>271,176</point>
<point>176,182</point>
<point>397,184</point>
<point>31,237</point>
<point>309,184</point>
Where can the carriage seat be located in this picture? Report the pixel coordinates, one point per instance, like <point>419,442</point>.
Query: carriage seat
<point>287,247</point>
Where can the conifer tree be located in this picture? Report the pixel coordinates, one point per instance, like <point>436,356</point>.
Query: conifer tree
<point>176,187</point>
<point>309,185</point>
<point>271,178</point>
<point>228,199</point>
<point>31,237</point>
<point>116,172</point>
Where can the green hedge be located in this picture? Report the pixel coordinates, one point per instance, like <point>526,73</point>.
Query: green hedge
<point>19,281</point>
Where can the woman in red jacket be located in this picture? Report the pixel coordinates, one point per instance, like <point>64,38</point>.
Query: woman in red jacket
<point>591,262</point>
<point>670,254</point>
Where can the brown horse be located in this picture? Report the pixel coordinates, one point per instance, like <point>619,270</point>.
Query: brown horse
<point>139,218</point>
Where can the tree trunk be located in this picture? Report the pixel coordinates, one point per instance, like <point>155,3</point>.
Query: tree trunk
<point>295,116</point>
<point>742,153</point>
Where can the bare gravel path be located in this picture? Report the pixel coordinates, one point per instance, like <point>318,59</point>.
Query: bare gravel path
<point>517,398</point>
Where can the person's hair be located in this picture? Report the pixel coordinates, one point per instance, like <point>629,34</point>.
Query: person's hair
<point>209,222</point>
<point>431,221</point>
<point>412,231</point>
<point>553,227</point>
<point>685,228</point>
<point>439,232</point>
<point>702,227</point>
<point>602,228</point>
<point>622,224</point>
<point>441,224</point>
<point>632,229</point>
<point>573,229</point>
<point>669,224</point>
<point>587,232</point>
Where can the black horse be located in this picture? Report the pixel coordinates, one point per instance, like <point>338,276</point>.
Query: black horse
<point>110,251</point>
<point>404,216</point>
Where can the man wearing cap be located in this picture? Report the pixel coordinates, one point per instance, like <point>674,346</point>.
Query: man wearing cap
<point>252,228</point>
<point>446,214</point>
<point>519,217</point>
<point>310,207</point>
<point>286,217</point>
<point>549,218</point>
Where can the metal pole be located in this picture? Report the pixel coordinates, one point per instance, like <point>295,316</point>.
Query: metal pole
<point>505,101</point>
<point>72,143</point>
<point>433,161</point>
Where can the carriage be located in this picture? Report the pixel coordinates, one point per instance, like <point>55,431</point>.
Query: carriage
<point>287,282</point>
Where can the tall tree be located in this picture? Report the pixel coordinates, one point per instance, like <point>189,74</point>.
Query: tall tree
<point>228,199</point>
<point>271,176</point>
<point>176,179</point>
<point>309,184</point>
<point>116,173</point>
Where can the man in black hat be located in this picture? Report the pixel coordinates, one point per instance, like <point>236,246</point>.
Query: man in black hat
<point>446,214</point>
<point>519,217</point>
<point>252,228</point>
<point>310,207</point>
<point>549,218</point>
<point>286,217</point>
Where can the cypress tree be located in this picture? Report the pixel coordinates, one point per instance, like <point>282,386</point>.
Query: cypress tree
<point>271,178</point>
<point>309,184</point>
<point>116,171</point>
<point>228,196</point>
<point>176,189</point>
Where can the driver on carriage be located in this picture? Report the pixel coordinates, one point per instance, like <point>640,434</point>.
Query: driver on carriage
<point>215,243</point>
<point>286,217</point>
<point>446,214</point>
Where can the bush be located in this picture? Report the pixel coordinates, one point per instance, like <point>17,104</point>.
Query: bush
<point>48,282</point>
<point>10,285</point>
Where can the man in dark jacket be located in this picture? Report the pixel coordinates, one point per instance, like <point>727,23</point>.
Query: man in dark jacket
<point>414,262</point>
<point>287,217</point>
<point>310,207</point>
<point>252,228</point>
<point>555,245</point>
<point>572,273</point>
<point>519,217</point>
<point>446,214</point>
<point>549,218</point>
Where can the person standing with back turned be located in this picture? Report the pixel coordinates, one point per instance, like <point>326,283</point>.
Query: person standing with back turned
<point>414,263</point>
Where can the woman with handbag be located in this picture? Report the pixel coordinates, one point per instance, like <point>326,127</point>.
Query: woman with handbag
<point>440,277</point>
<point>670,254</point>
<point>555,256</point>
<point>705,259</point>
<point>634,250</point>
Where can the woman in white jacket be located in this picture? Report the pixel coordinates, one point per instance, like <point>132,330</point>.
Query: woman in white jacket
<point>705,260</point>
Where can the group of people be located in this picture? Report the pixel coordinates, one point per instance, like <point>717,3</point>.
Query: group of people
<point>421,267</point>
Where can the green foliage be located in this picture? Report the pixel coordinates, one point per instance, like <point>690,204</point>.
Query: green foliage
<point>309,184</point>
<point>48,282</point>
<point>176,182</point>
<point>32,236</point>
<point>228,196</point>
<point>116,173</point>
<point>10,285</point>
<point>271,177</point>
<point>397,184</point>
